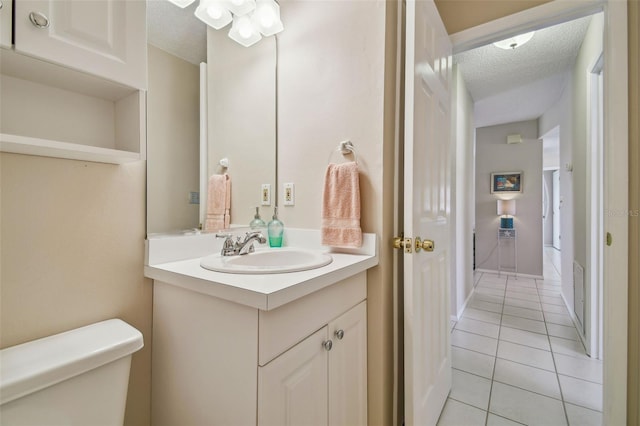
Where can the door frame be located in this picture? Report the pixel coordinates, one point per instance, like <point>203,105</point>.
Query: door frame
<point>616,128</point>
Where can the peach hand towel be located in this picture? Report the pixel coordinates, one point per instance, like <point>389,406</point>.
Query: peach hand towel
<point>218,203</point>
<point>341,206</point>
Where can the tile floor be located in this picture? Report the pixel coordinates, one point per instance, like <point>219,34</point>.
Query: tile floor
<point>517,359</point>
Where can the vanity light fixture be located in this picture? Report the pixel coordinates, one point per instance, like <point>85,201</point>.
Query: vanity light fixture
<point>241,7</point>
<point>267,17</point>
<point>243,31</point>
<point>214,13</point>
<point>515,41</point>
<point>251,19</point>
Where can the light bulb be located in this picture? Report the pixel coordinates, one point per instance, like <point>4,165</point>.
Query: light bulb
<point>237,2</point>
<point>245,29</point>
<point>214,11</point>
<point>267,16</point>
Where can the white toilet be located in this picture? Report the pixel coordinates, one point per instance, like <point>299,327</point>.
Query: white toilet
<point>79,377</point>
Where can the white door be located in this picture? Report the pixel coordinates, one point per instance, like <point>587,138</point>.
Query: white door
<point>427,360</point>
<point>348,368</point>
<point>102,37</point>
<point>292,388</point>
<point>556,209</point>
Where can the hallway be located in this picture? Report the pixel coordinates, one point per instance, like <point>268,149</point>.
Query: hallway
<point>517,358</point>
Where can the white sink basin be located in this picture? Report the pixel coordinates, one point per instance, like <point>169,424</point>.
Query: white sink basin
<point>267,261</point>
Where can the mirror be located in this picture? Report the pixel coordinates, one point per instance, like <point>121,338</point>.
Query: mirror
<point>239,119</point>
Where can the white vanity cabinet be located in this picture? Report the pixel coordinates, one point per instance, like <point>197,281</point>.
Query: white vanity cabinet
<point>322,380</point>
<point>217,362</point>
<point>106,38</point>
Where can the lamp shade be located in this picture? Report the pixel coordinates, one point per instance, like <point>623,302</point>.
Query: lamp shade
<point>243,31</point>
<point>506,207</point>
<point>266,17</point>
<point>214,13</point>
<point>241,7</point>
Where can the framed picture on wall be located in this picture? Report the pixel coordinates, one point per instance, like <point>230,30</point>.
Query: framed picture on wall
<point>502,182</point>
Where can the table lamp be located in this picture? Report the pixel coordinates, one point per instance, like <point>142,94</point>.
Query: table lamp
<point>506,209</point>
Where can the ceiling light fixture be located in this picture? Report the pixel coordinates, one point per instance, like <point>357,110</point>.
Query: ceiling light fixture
<point>250,19</point>
<point>515,41</point>
<point>182,3</point>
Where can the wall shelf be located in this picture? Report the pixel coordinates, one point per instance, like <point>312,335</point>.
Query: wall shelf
<point>49,148</point>
<point>53,111</point>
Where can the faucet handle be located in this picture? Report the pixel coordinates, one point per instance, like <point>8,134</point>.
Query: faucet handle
<point>223,235</point>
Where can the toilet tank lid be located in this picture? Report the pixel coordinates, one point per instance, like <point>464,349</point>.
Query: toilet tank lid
<point>35,365</point>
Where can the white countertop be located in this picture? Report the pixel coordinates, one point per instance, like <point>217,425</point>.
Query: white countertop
<point>176,260</point>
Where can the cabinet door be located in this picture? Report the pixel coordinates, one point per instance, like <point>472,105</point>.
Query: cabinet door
<point>292,389</point>
<point>106,38</point>
<point>6,7</point>
<point>348,368</point>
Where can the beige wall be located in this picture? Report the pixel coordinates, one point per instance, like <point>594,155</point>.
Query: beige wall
<point>72,253</point>
<point>173,142</point>
<point>336,81</point>
<point>459,15</point>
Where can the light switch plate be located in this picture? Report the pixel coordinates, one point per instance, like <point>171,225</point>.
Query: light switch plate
<point>265,196</point>
<point>289,194</point>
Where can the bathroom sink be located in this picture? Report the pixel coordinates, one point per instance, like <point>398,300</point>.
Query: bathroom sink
<point>267,261</point>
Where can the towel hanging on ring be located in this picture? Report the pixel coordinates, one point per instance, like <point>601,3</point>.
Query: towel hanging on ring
<point>341,206</point>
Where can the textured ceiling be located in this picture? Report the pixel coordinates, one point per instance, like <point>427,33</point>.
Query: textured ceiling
<point>521,84</point>
<point>177,30</point>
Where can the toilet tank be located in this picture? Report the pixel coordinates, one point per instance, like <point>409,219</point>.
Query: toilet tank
<point>79,377</point>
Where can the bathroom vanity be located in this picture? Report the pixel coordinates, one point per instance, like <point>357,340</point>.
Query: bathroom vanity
<point>260,349</point>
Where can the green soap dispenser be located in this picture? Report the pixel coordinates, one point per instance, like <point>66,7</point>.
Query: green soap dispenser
<point>275,230</point>
<point>257,222</point>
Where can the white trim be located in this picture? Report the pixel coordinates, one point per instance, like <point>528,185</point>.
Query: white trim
<point>616,196</point>
<point>464,305</point>
<point>594,204</point>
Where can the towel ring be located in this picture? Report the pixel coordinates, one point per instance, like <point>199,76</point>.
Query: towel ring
<point>345,148</point>
<point>224,162</point>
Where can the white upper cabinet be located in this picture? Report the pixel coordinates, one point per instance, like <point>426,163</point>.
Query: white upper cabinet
<point>6,7</point>
<point>106,38</point>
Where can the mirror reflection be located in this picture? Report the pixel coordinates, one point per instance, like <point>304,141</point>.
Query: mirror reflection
<point>198,117</point>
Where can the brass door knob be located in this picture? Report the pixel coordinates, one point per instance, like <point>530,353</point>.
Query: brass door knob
<point>402,243</point>
<point>426,245</point>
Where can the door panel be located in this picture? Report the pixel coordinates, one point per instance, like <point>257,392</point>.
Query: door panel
<point>426,214</point>
<point>348,368</point>
<point>292,389</point>
<point>102,37</point>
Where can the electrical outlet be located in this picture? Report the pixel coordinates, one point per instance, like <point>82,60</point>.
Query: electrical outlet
<point>194,197</point>
<point>265,197</point>
<point>289,194</point>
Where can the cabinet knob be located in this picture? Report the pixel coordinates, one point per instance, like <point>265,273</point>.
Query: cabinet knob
<point>327,344</point>
<point>1,4</point>
<point>339,334</point>
<point>39,20</point>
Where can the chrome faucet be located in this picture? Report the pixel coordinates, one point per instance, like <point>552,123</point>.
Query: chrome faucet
<point>231,248</point>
